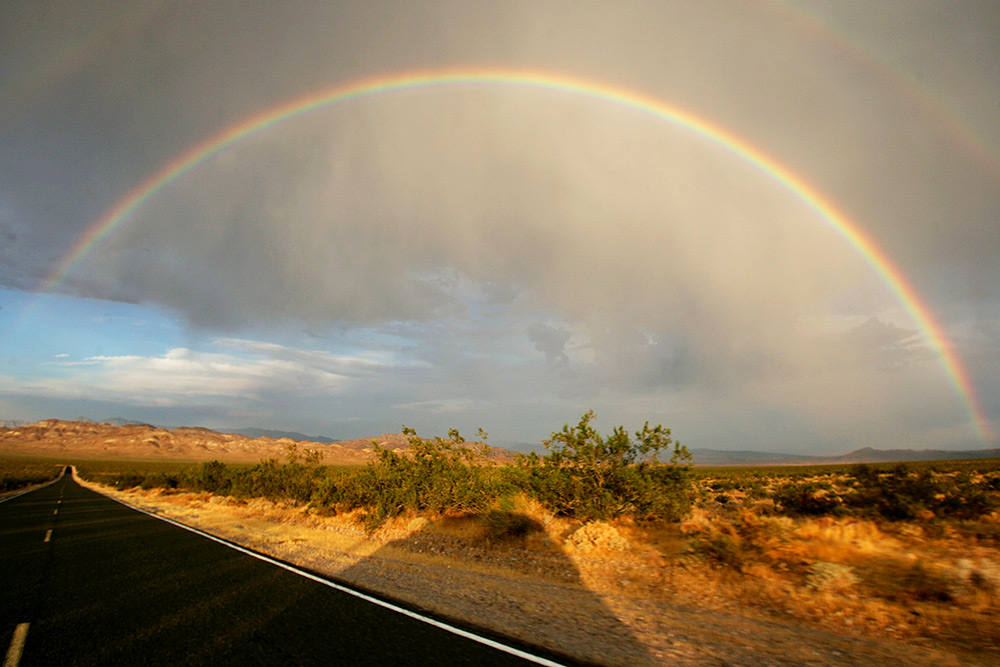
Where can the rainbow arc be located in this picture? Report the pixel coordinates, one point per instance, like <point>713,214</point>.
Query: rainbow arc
<point>830,214</point>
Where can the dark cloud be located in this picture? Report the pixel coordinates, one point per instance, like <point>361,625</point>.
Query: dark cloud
<point>454,223</point>
<point>550,341</point>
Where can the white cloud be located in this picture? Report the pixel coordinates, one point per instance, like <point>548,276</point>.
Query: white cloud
<point>340,364</point>
<point>182,375</point>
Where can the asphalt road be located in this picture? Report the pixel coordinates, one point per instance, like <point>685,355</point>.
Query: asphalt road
<point>98,583</point>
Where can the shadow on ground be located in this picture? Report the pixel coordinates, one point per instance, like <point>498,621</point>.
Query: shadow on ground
<point>535,597</point>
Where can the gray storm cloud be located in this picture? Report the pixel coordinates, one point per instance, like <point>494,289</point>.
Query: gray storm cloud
<point>551,342</point>
<point>459,219</point>
<point>614,221</point>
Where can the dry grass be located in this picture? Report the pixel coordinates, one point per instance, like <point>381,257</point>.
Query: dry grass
<point>934,584</point>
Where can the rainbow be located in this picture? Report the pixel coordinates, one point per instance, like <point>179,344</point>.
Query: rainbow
<point>530,79</point>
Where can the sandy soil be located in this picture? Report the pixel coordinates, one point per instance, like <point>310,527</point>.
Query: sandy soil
<point>585,593</point>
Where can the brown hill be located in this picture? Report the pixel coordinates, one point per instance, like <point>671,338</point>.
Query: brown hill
<point>68,440</point>
<point>53,438</point>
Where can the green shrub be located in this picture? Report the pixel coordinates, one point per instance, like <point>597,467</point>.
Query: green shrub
<point>128,480</point>
<point>160,481</point>
<point>298,479</point>
<point>210,476</point>
<point>18,473</point>
<point>755,490</point>
<point>588,476</point>
<point>433,475</point>
<point>963,498</point>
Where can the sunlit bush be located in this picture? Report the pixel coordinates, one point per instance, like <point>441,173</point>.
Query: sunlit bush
<point>588,476</point>
<point>439,475</point>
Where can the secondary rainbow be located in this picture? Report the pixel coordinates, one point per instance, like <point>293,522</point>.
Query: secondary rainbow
<point>639,102</point>
<point>903,85</point>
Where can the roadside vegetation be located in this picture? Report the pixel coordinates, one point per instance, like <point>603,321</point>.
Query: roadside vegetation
<point>907,550</point>
<point>16,473</point>
<point>585,475</point>
<point>128,474</point>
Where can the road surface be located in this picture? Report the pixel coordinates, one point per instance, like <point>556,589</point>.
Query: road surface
<point>85,580</point>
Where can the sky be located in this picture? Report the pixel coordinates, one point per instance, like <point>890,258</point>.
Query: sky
<point>766,225</point>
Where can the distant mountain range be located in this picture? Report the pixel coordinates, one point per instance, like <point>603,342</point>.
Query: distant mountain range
<point>86,439</point>
<point>277,435</point>
<point>114,421</point>
<point>721,457</point>
<point>249,432</point>
<point>507,450</point>
<point>718,457</point>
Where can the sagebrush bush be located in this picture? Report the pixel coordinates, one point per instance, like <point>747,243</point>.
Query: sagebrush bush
<point>436,475</point>
<point>297,479</point>
<point>210,476</point>
<point>588,476</point>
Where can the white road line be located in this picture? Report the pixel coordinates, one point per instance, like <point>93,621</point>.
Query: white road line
<point>358,594</point>
<point>48,535</point>
<point>16,646</point>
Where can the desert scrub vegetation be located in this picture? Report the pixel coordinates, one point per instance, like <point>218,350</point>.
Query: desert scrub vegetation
<point>18,473</point>
<point>908,551</point>
<point>584,475</point>
<point>296,479</point>
<point>893,492</point>
<point>128,474</point>
<point>901,493</point>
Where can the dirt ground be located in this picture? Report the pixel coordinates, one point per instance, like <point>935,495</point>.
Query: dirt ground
<point>611,595</point>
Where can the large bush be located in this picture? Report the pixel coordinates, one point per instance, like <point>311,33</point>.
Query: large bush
<point>297,479</point>
<point>589,476</point>
<point>439,475</point>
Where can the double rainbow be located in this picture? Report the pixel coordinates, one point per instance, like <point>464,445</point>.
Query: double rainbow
<point>635,101</point>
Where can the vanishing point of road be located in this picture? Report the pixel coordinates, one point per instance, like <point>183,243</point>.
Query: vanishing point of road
<point>85,580</point>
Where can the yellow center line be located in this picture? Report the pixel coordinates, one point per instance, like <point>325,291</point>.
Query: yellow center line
<point>16,646</point>
<point>48,535</point>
